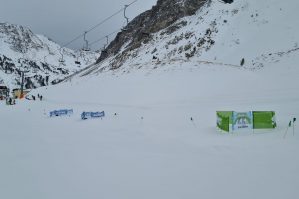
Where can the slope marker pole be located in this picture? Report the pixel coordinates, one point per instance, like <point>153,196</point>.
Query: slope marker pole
<point>285,134</point>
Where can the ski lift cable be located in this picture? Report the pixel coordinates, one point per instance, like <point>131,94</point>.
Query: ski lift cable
<point>127,19</point>
<point>89,30</point>
<point>99,24</point>
<point>75,39</point>
<point>94,27</point>
<point>102,38</point>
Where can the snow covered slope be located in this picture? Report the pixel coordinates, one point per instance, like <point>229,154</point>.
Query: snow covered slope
<point>151,148</point>
<point>147,146</point>
<point>258,32</point>
<point>22,50</point>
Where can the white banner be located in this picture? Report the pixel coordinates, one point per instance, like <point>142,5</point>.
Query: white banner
<point>242,120</point>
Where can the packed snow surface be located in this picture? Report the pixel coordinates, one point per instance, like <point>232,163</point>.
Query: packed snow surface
<point>151,148</point>
<point>147,146</point>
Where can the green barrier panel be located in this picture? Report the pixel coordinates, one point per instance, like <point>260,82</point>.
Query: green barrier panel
<point>264,120</point>
<point>228,114</point>
<point>261,120</point>
<point>224,118</point>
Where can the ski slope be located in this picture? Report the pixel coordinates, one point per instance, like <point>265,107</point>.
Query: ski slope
<point>163,155</point>
<point>151,148</point>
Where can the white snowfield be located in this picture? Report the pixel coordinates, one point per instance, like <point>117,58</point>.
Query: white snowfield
<point>151,148</point>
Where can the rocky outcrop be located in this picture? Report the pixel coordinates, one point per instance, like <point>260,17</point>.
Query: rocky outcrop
<point>140,29</point>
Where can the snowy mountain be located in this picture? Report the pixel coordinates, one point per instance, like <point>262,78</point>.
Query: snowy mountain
<point>229,34</point>
<point>38,56</point>
<point>159,137</point>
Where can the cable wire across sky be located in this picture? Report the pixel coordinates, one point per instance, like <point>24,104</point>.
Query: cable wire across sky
<point>97,25</point>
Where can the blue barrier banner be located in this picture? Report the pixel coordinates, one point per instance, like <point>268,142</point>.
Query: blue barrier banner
<point>61,112</point>
<point>87,115</point>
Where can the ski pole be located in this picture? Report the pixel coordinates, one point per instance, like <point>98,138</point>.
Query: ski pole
<point>294,120</point>
<point>284,136</point>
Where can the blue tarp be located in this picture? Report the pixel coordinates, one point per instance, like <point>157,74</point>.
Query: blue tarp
<point>86,115</point>
<point>61,112</point>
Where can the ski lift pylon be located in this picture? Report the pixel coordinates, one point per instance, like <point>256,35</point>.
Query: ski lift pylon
<point>86,47</point>
<point>77,61</point>
<point>61,60</point>
<point>105,45</point>
<point>107,41</point>
<point>126,18</point>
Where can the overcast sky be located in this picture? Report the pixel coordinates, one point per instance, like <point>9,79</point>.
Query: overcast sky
<point>63,20</point>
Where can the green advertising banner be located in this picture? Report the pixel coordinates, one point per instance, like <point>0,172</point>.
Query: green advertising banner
<point>224,120</point>
<point>230,120</point>
<point>264,120</point>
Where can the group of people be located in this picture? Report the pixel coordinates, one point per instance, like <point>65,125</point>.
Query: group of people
<point>40,97</point>
<point>10,101</point>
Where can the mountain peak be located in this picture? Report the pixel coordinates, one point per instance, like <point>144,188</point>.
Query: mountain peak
<point>19,37</point>
<point>21,49</point>
<point>219,32</point>
<point>162,15</point>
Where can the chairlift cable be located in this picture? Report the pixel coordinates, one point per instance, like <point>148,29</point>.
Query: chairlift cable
<point>97,25</point>
<point>94,27</point>
<point>78,37</point>
<point>102,38</point>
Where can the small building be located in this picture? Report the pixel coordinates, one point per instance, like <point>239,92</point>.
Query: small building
<point>4,92</point>
<point>16,93</point>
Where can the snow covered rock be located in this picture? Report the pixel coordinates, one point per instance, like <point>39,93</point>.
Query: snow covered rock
<point>41,58</point>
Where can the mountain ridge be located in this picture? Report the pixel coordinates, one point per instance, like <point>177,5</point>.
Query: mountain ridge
<point>139,30</point>
<point>44,61</point>
<point>218,33</point>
